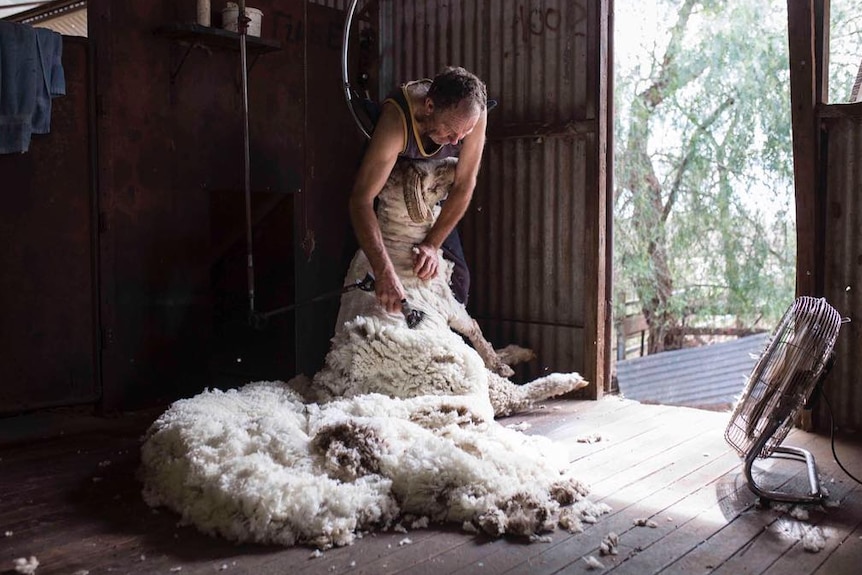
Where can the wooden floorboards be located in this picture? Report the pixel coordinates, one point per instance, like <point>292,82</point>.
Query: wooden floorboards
<point>73,502</point>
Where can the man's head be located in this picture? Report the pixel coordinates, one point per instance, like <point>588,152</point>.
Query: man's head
<point>455,101</point>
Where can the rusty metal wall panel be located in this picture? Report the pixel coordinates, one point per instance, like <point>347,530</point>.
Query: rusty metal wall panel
<point>524,233</point>
<point>525,181</point>
<point>843,267</point>
<point>524,241</point>
<point>531,53</point>
<point>47,286</point>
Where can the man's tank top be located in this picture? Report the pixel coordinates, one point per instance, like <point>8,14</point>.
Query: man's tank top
<point>413,148</point>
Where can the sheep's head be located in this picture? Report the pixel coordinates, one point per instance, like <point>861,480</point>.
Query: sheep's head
<point>424,184</point>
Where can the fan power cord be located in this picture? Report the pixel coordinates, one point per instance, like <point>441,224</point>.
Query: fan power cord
<point>832,437</point>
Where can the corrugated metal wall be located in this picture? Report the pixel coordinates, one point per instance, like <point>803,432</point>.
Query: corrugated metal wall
<point>843,266</point>
<point>526,235</point>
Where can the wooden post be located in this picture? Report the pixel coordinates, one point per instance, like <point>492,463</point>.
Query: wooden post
<point>803,99</point>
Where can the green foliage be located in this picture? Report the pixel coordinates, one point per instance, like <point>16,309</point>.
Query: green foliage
<point>704,197</point>
<point>845,48</point>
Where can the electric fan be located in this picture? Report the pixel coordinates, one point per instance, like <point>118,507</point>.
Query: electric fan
<point>797,358</point>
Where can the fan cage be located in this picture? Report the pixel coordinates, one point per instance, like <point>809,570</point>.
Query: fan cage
<point>784,376</point>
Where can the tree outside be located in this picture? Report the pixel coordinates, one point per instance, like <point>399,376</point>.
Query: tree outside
<point>704,222</point>
<point>845,50</point>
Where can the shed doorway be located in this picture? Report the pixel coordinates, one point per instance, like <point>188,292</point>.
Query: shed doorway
<point>704,218</point>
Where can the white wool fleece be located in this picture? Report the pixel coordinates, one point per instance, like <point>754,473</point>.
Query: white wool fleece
<point>256,464</point>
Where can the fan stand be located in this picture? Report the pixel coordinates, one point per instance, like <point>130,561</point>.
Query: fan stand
<point>815,494</point>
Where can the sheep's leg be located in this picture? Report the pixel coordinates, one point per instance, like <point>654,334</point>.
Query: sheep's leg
<point>514,354</point>
<point>467,326</point>
<point>508,398</point>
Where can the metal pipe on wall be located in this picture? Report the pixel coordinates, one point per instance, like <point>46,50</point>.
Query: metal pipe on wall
<point>242,28</point>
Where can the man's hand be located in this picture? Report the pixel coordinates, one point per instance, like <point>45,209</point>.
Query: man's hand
<point>425,262</point>
<point>389,291</point>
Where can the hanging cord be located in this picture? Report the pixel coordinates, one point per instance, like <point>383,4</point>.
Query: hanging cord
<point>832,437</point>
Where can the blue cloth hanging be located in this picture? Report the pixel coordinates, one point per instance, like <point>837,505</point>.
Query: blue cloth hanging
<point>31,74</point>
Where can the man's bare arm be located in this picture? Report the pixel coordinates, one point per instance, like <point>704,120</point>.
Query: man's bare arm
<point>426,262</point>
<point>386,143</point>
<point>466,172</point>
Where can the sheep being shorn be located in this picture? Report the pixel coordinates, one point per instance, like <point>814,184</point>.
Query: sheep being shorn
<point>397,427</point>
<point>374,351</point>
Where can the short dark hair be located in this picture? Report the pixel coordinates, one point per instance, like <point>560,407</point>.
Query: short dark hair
<point>454,85</point>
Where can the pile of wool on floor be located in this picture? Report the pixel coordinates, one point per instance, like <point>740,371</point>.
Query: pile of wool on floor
<point>260,464</point>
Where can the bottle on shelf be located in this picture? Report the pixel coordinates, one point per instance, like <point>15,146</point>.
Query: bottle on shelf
<point>203,17</point>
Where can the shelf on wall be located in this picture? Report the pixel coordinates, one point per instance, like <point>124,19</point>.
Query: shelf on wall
<point>215,37</point>
<point>197,35</point>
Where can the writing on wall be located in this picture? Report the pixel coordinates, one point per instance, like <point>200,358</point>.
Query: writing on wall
<point>540,20</point>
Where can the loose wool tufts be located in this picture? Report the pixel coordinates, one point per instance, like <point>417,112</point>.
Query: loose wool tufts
<point>397,426</point>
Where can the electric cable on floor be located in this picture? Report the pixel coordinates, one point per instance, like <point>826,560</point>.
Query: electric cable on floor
<point>832,438</point>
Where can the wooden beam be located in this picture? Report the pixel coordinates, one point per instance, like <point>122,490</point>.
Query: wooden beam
<point>633,324</point>
<point>597,264</point>
<point>804,100</point>
<point>852,111</point>
<point>544,130</point>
